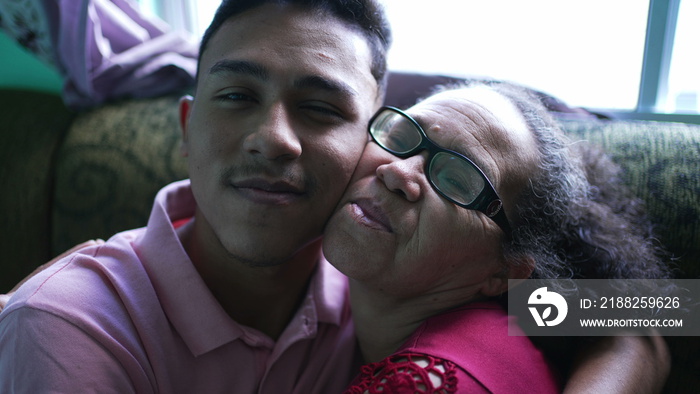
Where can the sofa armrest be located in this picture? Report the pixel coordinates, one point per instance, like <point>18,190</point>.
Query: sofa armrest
<point>34,126</point>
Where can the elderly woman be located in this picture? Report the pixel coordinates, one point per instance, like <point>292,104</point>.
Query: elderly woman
<point>467,189</point>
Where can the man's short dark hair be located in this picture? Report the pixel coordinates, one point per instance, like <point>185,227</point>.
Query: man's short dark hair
<point>365,16</point>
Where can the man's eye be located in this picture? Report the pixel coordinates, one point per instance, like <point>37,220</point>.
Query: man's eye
<point>235,97</point>
<point>323,110</point>
<point>323,113</point>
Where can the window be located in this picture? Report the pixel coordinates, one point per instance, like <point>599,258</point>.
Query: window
<point>589,53</point>
<point>684,74</point>
<point>572,50</point>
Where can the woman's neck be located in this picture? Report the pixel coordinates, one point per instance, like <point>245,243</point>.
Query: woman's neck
<point>381,327</point>
<point>383,323</point>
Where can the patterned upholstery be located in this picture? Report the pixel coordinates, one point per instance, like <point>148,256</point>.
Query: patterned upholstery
<point>110,167</point>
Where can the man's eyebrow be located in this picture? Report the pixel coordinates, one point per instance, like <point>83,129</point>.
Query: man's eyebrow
<point>240,67</point>
<point>318,82</point>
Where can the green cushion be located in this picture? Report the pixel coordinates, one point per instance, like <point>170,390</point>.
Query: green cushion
<point>661,163</point>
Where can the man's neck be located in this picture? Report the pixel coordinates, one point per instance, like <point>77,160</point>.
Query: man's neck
<point>264,298</point>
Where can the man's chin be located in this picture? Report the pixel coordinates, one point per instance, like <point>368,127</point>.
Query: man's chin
<point>260,261</point>
<point>264,255</point>
<point>272,254</point>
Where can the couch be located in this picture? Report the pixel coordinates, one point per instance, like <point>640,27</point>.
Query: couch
<point>67,177</point>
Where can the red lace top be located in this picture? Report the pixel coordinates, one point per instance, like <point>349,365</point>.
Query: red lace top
<point>406,372</point>
<point>465,350</point>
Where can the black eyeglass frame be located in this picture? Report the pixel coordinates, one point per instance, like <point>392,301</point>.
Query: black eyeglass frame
<point>487,201</point>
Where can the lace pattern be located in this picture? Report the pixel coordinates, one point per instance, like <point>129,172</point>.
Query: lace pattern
<point>406,373</point>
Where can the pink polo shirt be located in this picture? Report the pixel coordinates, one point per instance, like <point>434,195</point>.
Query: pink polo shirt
<point>133,315</point>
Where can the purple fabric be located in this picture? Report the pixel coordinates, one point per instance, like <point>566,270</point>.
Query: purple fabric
<point>105,49</point>
<point>108,50</point>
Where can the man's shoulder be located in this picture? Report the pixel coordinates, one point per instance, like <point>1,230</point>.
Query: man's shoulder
<point>83,319</point>
<point>92,281</point>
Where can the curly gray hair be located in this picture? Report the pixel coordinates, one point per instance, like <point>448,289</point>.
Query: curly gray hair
<point>574,218</point>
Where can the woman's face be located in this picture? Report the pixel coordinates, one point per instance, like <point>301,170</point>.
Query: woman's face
<point>393,232</point>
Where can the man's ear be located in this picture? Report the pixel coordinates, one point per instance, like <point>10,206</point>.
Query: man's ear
<point>519,270</point>
<point>186,103</point>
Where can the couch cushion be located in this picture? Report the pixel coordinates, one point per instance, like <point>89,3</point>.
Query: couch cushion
<point>112,164</point>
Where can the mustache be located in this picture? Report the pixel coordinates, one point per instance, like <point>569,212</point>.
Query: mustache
<point>254,170</point>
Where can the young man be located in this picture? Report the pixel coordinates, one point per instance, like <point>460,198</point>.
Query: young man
<point>238,298</point>
<point>235,299</point>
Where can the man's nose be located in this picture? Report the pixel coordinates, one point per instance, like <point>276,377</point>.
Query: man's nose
<point>274,137</point>
<point>404,176</point>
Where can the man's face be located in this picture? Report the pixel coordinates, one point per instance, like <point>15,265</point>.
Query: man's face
<point>276,129</point>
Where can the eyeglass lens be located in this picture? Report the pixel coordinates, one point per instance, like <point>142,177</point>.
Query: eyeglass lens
<point>456,178</point>
<point>395,133</point>
<point>453,176</point>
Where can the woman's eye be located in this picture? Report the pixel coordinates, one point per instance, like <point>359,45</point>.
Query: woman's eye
<point>454,185</point>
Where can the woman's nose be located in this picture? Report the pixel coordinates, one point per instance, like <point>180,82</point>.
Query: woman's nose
<point>404,176</point>
<point>274,137</point>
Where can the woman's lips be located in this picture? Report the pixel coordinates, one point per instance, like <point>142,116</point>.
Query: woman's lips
<point>370,215</point>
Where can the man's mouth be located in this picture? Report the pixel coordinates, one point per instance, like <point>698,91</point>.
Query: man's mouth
<point>371,215</point>
<point>263,191</point>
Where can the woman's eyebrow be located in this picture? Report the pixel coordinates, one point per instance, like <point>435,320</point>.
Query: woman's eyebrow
<point>466,151</point>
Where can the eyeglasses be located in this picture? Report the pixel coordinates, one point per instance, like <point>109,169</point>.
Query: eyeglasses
<point>451,174</point>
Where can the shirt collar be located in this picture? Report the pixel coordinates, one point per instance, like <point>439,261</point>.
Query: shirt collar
<point>191,308</point>
<point>330,291</point>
